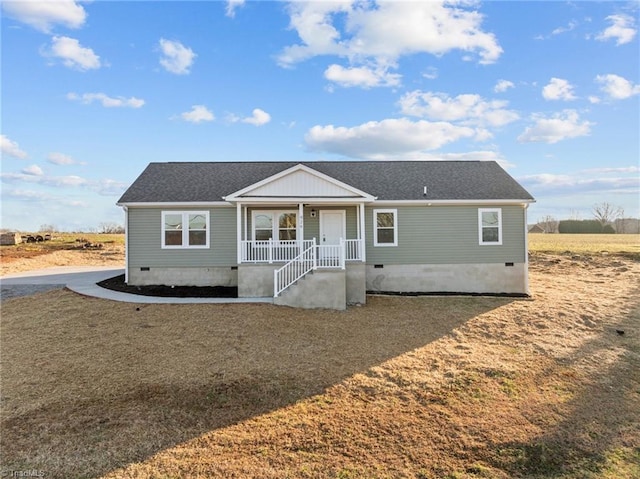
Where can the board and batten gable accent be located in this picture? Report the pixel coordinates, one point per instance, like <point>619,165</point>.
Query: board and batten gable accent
<point>447,235</point>
<point>145,240</point>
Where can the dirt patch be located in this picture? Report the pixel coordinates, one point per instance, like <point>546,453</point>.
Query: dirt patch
<point>117,284</point>
<point>426,387</point>
<point>62,252</point>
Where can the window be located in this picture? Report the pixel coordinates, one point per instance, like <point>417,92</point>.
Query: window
<point>185,229</point>
<point>385,228</point>
<point>275,225</point>
<point>490,226</point>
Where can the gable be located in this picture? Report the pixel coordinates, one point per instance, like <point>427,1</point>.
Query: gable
<point>300,182</point>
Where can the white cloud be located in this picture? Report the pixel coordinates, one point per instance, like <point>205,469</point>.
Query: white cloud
<point>594,99</point>
<point>391,138</point>
<point>198,114</point>
<point>431,73</point>
<point>560,126</point>
<point>176,57</point>
<point>72,54</point>
<point>558,89</point>
<point>617,87</point>
<point>104,187</point>
<point>11,148</point>
<point>571,26</point>
<point>552,184</point>
<point>258,118</point>
<point>43,15</point>
<point>361,76</point>
<point>33,170</point>
<point>622,29</point>
<point>378,34</point>
<point>107,101</point>
<point>62,159</point>
<point>467,108</point>
<point>232,5</point>
<point>502,86</point>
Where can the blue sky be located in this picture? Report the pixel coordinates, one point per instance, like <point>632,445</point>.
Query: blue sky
<point>94,91</point>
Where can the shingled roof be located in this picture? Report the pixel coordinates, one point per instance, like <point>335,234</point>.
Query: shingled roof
<point>185,182</point>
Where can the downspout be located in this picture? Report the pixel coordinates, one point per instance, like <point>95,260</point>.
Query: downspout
<point>126,244</point>
<point>239,232</point>
<point>526,251</point>
<point>363,233</point>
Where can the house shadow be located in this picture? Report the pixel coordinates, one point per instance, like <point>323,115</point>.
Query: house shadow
<point>601,428</point>
<point>241,361</point>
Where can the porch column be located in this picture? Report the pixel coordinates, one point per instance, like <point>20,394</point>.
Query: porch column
<point>300,233</point>
<point>362,234</point>
<point>239,231</point>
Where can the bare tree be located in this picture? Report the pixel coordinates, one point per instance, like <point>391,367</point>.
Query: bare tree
<point>48,228</point>
<point>111,228</point>
<point>605,213</point>
<point>549,224</point>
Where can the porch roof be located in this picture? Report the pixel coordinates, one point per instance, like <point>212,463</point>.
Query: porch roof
<point>186,182</point>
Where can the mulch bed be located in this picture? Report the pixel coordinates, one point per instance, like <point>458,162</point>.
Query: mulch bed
<point>117,284</point>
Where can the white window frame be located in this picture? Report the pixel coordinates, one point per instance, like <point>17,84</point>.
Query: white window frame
<point>395,226</point>
<point>481,227</point>
<point>275,223</point>
<point>185,229</point>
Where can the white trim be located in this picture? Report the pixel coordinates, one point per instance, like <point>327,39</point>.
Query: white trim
<point>294,200</point>
<point>505,202</point>
<point>236,196</point>
<point>362,234</point>
<point>526,251</point>
<point>185,229</point>
<point>481,227</point>
<point>175,204</point>
<point>323,200</point>
<point>375,226</point>
<point>239,232</point>
<point>126,244</point>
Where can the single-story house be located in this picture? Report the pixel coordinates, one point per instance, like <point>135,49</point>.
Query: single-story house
<point>323,234</point>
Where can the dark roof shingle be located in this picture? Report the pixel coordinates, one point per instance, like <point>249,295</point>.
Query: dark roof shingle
<point>387,180</point>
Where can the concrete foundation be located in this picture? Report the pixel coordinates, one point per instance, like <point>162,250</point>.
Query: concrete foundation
<point>214,276</point>
<point>454,278</point>
<point>356,279</point>
<point>256,280</point>
<point>324,288</point>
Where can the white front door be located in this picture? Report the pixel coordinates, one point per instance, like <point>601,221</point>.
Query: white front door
<point>332,228</point>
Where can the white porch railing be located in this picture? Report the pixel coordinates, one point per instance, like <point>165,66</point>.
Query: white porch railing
<point>313,257</point>
<point>294,269</point>
<point>270,251</point>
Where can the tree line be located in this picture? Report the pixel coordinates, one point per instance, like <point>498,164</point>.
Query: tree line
<point>607,219</point>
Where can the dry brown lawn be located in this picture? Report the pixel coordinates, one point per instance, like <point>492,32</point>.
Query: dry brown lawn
<point>427,387</point>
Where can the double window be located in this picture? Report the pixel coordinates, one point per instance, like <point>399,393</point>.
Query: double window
<point>274,225</point>
<point>490,226</point>
<point>185,229</point>
<point>385,227</point>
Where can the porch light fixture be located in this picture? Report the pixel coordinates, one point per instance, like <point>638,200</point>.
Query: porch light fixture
<point>313,213</point>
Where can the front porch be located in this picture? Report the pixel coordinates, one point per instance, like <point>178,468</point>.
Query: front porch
<point>295,223</point>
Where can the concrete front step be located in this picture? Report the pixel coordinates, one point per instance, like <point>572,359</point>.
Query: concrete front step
<point>325,288</point>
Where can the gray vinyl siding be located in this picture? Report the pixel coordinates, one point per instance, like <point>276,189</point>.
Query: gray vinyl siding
<point>145,236</point>
<point>447,235</point>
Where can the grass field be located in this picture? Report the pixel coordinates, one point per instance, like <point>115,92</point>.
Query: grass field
<point>423,388</point>
<point>626,245</point>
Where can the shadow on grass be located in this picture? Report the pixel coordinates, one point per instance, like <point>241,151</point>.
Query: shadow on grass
<point>598,437</point>
<point>109,385</point>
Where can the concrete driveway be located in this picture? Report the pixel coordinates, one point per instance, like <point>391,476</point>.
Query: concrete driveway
<point>73,277</point>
